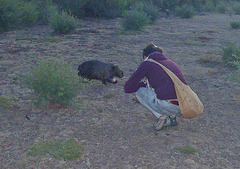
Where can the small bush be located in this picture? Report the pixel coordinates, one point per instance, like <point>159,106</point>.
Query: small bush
<point>231,55</point>
<point>75,6</point>
<point>67,150</point>
<point>236,63</point>
<point>53,81</point>
<point>63,22</point>
<point>187,149</point>
<point>5,102</point>
<point>209,6</point>
<point>29,14</point>
<point>170,6</point>
<point>235,76</point>
<point>185,11</point>
<point>222,8</point>
<point>45,9</point>
<point>17,13</point>
<point>105,8</point>
<point>235,25</point>
<point>166,6</point>
<point>149,9</point>
<point>135,20</point>
<point>10,11</point>
<point>236,10</point>
<point>110,95</point>
<point>94,8</point>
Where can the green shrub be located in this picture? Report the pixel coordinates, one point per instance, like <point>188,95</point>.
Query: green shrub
<point>231,55</point>
<point>187,149</point>
<point>149,9</point>
<point>5,102</point>
<point>105,8</point>
<point>76,7</point>
<point>235,75</point>
<point>236,10</point>
<point>222,8</point>
<point>45,8</point>
<point>62,22</point>
<point>166,5</point>
<point>169,6</point>
<point>110,95</point>
<point>10,11</point>
<point>53,81</point>
<point>135,20</point>
<point>236,62</point>
<point>115,8</point>
<point>209,6</point>
<point>67,150</point>
<point>94,8</point>
<point>16,14</point>
<point>185,11</point>
<point>235,25</point>
<point>29,13</point>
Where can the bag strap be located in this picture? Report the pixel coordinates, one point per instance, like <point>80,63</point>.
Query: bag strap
<point>174,78</point>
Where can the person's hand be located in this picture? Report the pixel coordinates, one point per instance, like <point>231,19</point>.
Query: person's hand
<point>145,80</point>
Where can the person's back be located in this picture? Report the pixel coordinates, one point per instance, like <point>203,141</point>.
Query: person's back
<point>158,94</point>
<point>159,79</point>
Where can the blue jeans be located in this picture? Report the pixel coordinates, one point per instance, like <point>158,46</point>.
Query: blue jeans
<point>148,98</point>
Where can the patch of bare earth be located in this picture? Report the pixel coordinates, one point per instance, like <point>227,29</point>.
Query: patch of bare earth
<point>117,132</point>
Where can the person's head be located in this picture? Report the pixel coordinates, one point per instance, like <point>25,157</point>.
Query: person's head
<point>150,49</point>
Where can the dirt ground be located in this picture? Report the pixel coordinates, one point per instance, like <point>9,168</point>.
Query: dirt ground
<point>117,132</point>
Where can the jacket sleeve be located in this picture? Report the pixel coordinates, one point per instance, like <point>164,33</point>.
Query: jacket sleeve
<point>134,82</point>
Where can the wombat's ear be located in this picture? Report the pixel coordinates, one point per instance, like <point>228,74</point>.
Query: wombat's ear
<point>115,66</point>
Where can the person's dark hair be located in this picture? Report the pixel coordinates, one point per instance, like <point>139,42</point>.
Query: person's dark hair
<point>150,49</point>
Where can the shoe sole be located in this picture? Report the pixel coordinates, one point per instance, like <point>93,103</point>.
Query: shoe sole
<point>158,126</point>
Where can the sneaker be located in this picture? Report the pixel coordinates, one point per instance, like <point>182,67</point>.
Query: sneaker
<point>173,120</point>
<point>161,123</point>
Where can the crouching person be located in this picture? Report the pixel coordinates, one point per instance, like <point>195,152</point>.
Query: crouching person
<point>154,88</point>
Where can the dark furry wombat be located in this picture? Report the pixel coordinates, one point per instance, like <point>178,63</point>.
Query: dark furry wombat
<point>94,69</point>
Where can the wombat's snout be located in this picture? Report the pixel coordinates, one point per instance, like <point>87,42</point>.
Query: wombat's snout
<point>114,80</point>
<point>119,73</point>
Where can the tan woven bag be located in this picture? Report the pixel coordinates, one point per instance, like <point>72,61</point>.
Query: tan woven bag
<point>190,104</point>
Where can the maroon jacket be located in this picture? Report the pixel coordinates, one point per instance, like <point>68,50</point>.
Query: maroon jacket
<point>157,77</point>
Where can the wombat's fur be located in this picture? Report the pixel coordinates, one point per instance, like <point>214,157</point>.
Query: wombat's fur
<point>95,69</point>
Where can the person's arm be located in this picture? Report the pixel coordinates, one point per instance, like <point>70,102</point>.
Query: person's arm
<point>134,82</point>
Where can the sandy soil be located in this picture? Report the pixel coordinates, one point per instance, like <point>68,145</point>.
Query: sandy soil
<point>117,132</point>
